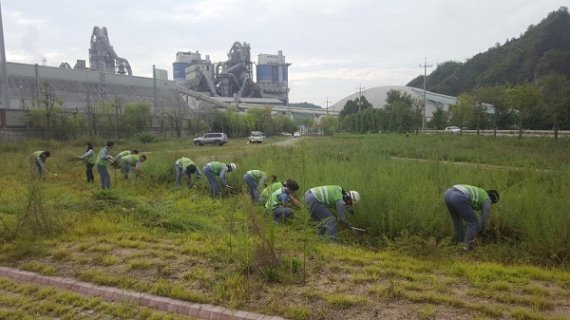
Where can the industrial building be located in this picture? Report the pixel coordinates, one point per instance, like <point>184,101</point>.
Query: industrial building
<point>199,85</point>
<point>377,97</point>
<point>233,80</point>
<point>78,90</point>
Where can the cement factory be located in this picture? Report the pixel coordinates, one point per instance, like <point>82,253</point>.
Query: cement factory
<point>198,83</point>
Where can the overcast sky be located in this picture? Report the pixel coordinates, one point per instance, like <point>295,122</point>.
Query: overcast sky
<point>333,46</point>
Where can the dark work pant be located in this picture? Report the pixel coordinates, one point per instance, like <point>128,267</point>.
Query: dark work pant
<point>89,173</point>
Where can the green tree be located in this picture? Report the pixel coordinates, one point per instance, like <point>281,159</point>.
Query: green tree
<point>329,124</point>
<point>461,112</point>
<point>284,123</point>
<point>260,119</point>
<point>51,104</point>
<point>135,118</point>
<point>555,98</point>
<point>355,106</point>
<point>104,118</point>
<point>402,116</point>
<point>494,96</point>
<point>175,112</point>
<point>439,119</point>
<point>522,98</point>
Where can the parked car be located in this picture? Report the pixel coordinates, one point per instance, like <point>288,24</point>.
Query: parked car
<point>285,134</point>
<point>212,138</point>
<point>256,137</point>
<point>453,129</point>
<point>297,134</point>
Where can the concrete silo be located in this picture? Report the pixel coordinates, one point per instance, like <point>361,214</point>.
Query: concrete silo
<point>273,75</point>
<point>183,61</point>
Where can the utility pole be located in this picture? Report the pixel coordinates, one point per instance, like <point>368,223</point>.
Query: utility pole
<point>360,88</point>
<point>327,102</point>
<point>425,66</point>
<point>3,72</point>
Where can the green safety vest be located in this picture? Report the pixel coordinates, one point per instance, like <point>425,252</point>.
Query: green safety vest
<point>267,192</point>
<point>273,202</point>
<point>123,154</point>
<point>328,195</point>
<point>216,167</point>
<point>131,159</point>
<point>100,160</point>
<point>38,154</point>
<point>257,175</point>
<point>185,162</point>
<point>477,196</point>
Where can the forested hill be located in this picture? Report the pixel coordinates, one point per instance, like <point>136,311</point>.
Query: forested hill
<point>542,49</point>
<point>304,105</point>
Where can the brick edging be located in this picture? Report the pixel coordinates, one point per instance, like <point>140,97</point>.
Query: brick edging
<point>201,311</point>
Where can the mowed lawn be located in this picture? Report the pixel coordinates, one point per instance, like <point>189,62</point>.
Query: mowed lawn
<point>148,236</point>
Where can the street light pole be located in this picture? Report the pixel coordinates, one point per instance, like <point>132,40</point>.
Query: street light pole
<point>425,66</point>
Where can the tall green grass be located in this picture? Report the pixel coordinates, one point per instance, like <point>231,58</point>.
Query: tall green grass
<point>402,197</point>
<point>401,181</point>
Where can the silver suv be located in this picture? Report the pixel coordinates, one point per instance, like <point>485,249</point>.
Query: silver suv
<point>256,137</point>
<point>212,138</point>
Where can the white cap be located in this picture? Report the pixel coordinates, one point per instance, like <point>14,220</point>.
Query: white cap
<point>233,166</point>
<point>354,196</point>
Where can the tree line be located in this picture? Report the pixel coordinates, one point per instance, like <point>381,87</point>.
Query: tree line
<point>117,118</point>
<point>541,105</point>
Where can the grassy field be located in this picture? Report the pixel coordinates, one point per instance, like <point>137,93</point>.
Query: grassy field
<point>148,236</point>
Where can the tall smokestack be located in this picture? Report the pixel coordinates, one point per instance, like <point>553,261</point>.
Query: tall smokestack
<point>3,75</point>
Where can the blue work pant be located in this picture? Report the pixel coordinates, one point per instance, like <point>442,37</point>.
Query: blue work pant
<point>179,171</point>
<point>126,169</point>
<point>460,210</point>
<point>252,184</point>
<point>326,221</point>
<point>213,180</point>
<point>281,214</point>
<point>105,177</point>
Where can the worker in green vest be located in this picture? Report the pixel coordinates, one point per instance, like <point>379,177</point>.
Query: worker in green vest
<point>462,200</point>
<point>281,201</point>
<point>125,153</point>
<point>214,170</point>
<point>321,200</point>
<point>38,162</point>
<point>104,159</point>
<point>132,163</point>
<point>268,191</point>
<point>186,167</point>
<point>89,158</point>
<point>254,180</point>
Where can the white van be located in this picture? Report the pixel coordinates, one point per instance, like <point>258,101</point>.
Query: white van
<point>256,137</point>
